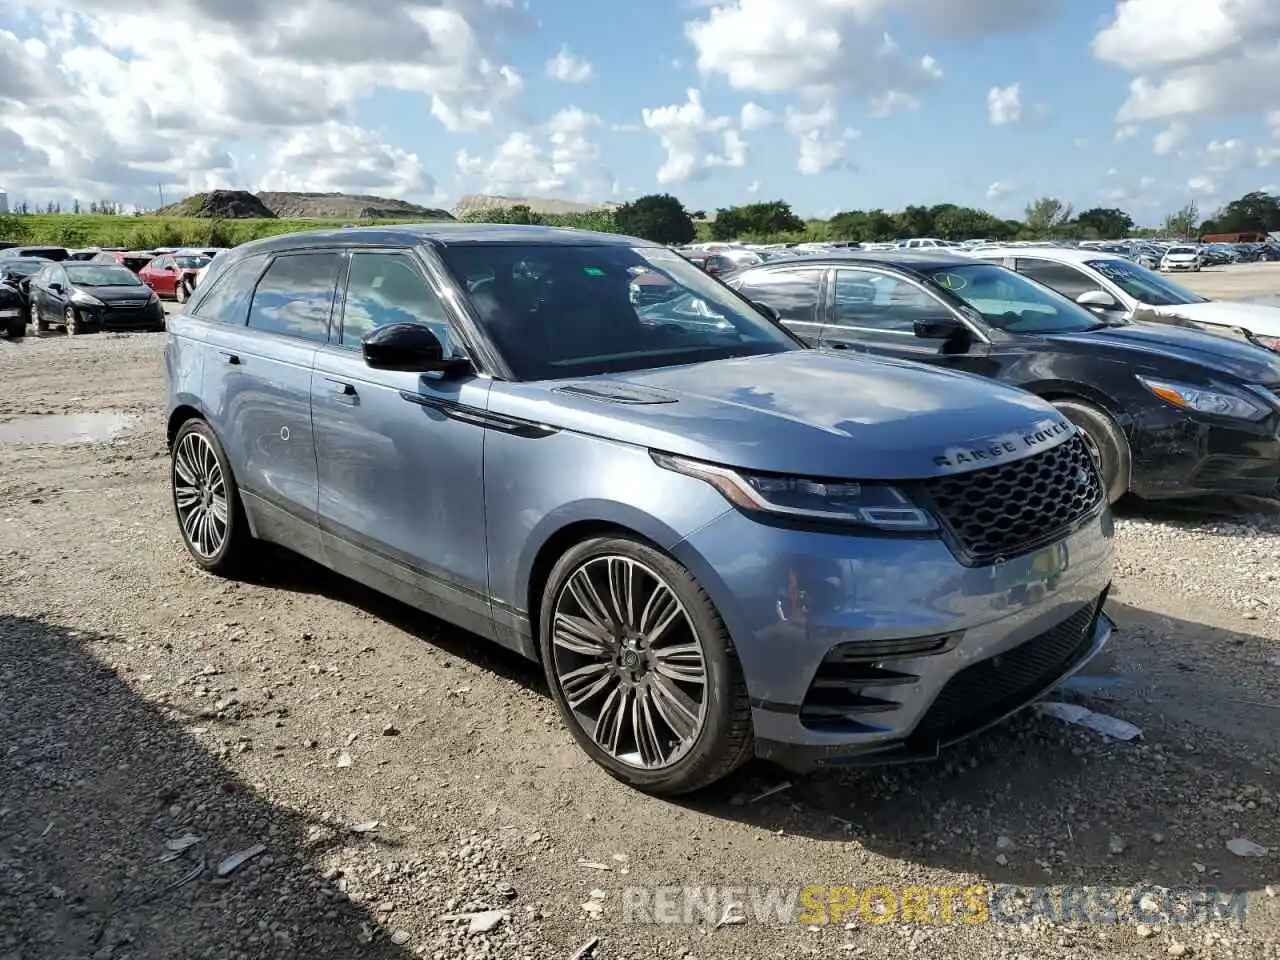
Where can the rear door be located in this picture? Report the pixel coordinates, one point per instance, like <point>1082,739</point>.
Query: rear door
<point>257,382</point>
<point>795,292</point>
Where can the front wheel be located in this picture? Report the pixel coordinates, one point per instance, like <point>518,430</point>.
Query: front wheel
<point>1105,441</point>
<point>181,293</point>
<point>206,501</point>
<point>71,322</point>
<point>642,669</point>
<point>17,329</point>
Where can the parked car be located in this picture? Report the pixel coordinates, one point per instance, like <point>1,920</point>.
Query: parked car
<point>173,274</point>
<point>13,310</point>
<point>135,260</point>
<point>16,274</point>
<point>82,297</point>
<point>1167,411</point>
<point>716,541</point>
<point>1116,290</point>
<point>1181,258</point>
<point>44,253</point>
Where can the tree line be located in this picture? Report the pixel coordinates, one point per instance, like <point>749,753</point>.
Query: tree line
<point>662,218</point>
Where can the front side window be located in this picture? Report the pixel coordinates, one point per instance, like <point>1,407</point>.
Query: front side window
<point>1067,280</point>
<point>295,295</point>
<point>387,288</point>
<point>1008,301</point>
<point>573,315</point>
<point>881,301</point>
<point>227,299</point>
<point>1144,285</point>
<point>793,293</point>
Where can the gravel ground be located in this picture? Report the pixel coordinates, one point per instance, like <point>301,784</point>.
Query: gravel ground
<point>1236,281</point>
<point>392,772</point>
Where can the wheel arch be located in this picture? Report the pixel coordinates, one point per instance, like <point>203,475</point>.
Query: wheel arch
<point>563,530</point>
<point>180,414</point>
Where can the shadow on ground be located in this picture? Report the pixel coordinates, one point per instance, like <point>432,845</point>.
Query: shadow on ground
<point>94,781</point>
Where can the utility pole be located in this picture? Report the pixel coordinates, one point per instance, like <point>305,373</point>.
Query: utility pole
<point>160,190</point>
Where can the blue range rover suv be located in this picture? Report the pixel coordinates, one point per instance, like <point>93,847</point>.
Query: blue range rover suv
<point>717,542</point>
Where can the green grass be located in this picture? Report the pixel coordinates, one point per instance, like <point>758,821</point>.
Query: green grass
<point>144,233</point>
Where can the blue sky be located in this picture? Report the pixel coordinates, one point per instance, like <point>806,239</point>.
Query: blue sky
<point>983,102</point>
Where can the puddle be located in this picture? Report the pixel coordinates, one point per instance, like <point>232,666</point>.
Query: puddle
<point>66,429</point>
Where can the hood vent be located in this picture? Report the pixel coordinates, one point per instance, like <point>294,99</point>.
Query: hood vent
<point>616,393</point>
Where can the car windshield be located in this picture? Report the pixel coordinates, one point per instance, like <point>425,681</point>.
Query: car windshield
<point>1144,285</point>
<point>1009,301</point>
<point>558,311</point>
<point>1180,251</point>
<point>191,263</point>
<point>101,275</point>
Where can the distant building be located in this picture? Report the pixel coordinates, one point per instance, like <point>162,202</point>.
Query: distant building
<point>4,202</point>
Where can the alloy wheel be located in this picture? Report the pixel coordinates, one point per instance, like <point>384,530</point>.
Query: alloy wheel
<point>200,494</point>
<point>629,662</point>
<point>71,320</point>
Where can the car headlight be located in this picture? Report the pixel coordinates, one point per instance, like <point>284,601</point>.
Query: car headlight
<point>1219,403</point>
<point>151,296</point>
<point>876,505</point>
<point>85,300</point>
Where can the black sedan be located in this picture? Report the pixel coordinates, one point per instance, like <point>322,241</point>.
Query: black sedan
<point>1167,411</point>
<point>81,296</point>
<point>15,281</point>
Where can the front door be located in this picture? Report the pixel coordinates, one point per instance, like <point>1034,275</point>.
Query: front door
<point>876,311</point>
<point>257,382</point>
<point>401,503</point>
<point>49,294</point>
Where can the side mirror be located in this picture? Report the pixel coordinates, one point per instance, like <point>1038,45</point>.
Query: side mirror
<point>1097,300</point>
<point>56,287</point>
<point>940,328</point>
<point>408,347</point>
<point>767,310</point>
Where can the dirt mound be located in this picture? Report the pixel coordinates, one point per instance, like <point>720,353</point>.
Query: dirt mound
<point>346,206</point>
<point>220,205</point>
<point>476,203</point>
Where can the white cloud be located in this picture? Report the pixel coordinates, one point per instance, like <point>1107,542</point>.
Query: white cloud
<point>1170,137</point>
<point>1223,146</point>
<point>1213,56</point>
<point>999,189</point>
<point>1126,132</point>
<point>1004,105</point>
<point>755,116</point>
<point>118,97</point>
<point>1266,156</point>
<point>339,158</point>
<point>560,157</point>
<point>753,186</point>
<point>820,148</point>
<point>695,142</point>
<point>893,101</point>
<point>1202,186</point>
<point>567,68</point>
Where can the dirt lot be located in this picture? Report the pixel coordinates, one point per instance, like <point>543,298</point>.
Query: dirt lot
<point>1238,281</point>
<point>397,771</point>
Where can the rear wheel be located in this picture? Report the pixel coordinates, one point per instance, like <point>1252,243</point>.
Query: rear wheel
<point>206,501</point>
<point>17,329</point>
<point>1106,443</point>
<point>642,669</point>
<point>181,291</point>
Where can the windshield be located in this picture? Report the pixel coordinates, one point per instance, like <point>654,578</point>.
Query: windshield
<point>1009,301</point>
<point>558,311</point>
<point>1180,251</point>
<point>101,275</point>
<point>1144,285</point>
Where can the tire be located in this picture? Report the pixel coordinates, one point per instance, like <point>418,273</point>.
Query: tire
<point>38,322</point>
<point>17,329</point>
<point>1106,441</point>
<point>180,291</point>
<point>721,739</point>
<point>194,454</point>
<point>71,322</point>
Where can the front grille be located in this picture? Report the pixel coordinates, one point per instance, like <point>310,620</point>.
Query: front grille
<point>983,693</point>
<point>1005,511</point>
<point>127,304</point>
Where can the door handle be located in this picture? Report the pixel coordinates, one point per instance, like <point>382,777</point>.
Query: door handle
<point>343,392</point>
<point>231,358</point>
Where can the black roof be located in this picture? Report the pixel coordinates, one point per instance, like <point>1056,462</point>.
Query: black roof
<point>903,259</point>
<point>441,234</point>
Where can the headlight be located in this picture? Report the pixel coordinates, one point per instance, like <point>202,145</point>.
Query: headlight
<point>1220,403</point>
<point>867,504</point>
<point>151,296</point>
<point>85,300</point>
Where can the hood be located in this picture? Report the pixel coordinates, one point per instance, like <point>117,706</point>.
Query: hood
<point>1255,317</point>
<point>802,412</point>
<point>121,292</point>
<point>1215,352</point>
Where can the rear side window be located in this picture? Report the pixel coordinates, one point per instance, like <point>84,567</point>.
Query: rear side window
<point>227,300</point>
<point>295,295</point>
<point>793,293</point>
